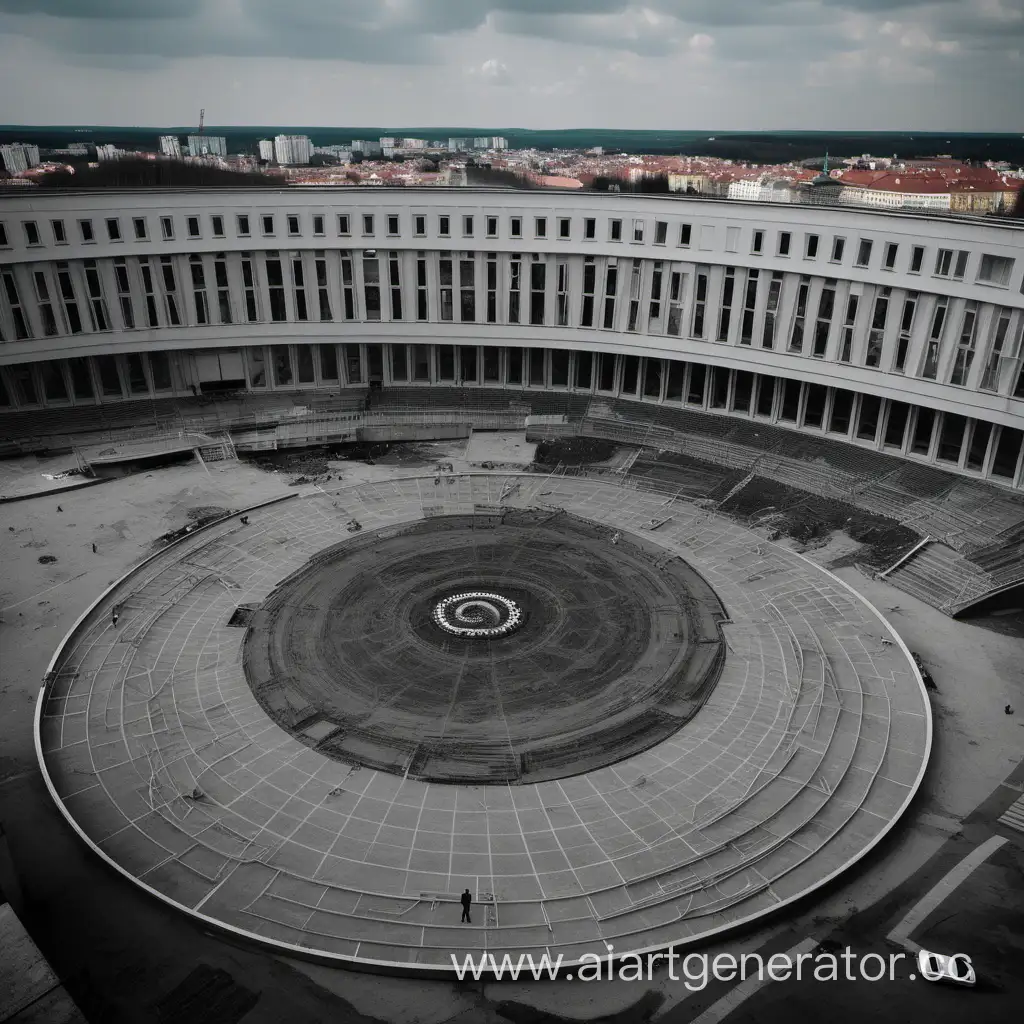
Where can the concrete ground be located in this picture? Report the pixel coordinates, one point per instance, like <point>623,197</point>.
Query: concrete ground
<point>119,950</point>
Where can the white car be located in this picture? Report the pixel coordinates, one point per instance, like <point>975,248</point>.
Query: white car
<point>956,968</point>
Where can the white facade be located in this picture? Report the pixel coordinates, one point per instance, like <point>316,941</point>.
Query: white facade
<point>170,145</point>
<point>266,149</point>
<point>18,157</point>
<point>852,317</point>
<point>207,145</point>
<point>292,149</point>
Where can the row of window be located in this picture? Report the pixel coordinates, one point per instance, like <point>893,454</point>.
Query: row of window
<point>967,444</point>
<point>951,264</point>
<point>929,336</point>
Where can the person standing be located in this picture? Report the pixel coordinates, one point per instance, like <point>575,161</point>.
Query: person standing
<point>114,615</point>
<point>466,901</point>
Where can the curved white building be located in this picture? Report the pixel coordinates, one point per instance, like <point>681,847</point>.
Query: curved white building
<point>893,332</point>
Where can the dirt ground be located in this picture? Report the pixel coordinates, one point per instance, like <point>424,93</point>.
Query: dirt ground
<point>119,950</point>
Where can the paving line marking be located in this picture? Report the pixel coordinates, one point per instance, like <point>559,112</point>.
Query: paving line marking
<point>745,989</point>
<point>943,888</point>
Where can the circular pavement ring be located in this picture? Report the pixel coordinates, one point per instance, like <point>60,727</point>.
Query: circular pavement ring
<point>812,744</point>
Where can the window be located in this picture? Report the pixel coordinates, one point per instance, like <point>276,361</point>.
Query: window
<point>149,288</point>
<point>951,438</point>
<point>838,246</point>
<point>113,229</point>
<point>242,225</point>
<point>45,307</point>
<point>610,286</point>
<point>467,290</point>
<point>492,294</point>
<point>868,416</point>
<point>202,305</point>
<point>846,345</point>
<point>10,291</point>
<point>444,225</point>
<point>842,412</point>
<point>367,223</point>
<point>419,225</point>
<point>166,228</point>
<point>995,270</point>
<point>97,305</point>
<point>771,310</point>
<point>876,333</point>
<point>281,359</point>
<point>299,293</point>
<point>814,407</point>
<point>700,299</point>
<point>392,223</point>
<point>891,248</point>
<point>541,227</point>
<point>965,345</point>
<point>421,288</point>
<point>3,235</point>
<point>348,288</point>
<point>945,266</point>
<point>60,235</point>
<point>344,224</point>
<point>323,295</point>
<point>725,313</point>
<point>564,224</point>
<point>491,225</point>
<point>217,226</point>
<point>467,226</point>
<point>1001,325</point>
<point>538,279</point>
<point>635,285</point>
<point>784,241</point>
<point>395,284</point>
<point>749,303</point>
<point>896,425</point>
<point>220,276</point>
<point>796,338</point>
<point>916,259</point>
<point>589,284</point>
<point>979,445</point>
<point>275,289</point>
<point>589,227</point>
<point>906,326</point>
<point>562,295</point>
<point>515,226</point>
<point>445,285</point>
<point>684,234</point>
<point>85,227</point>
<point>863,253</point>
<point>615,230</point>
<point>660,232</point>
<point>170,291</point>
<point>31,232</point>
<point>811,247</point>
<point>267,223</point>
<point>757,243</point>
<point>371,285</point>
<point>293,224</point>
<point>931,363</point>
<point>252,310</point>
<point>318,229</point>
<point>826,306</point>
<point>638,230</point>
<point>192,226</point>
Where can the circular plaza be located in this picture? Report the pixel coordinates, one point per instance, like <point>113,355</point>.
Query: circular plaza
<point>616,719</point>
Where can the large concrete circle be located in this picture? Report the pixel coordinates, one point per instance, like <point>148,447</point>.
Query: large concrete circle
<point>615,650</point>
<point>154,746</point>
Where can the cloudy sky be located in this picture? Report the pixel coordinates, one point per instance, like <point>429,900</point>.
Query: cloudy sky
<point>952,65</point>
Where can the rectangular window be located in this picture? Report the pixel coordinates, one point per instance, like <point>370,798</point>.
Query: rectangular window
<point>242,225</point>
<point>323,293</point>
<point>978,449</point>
<point>846,345</point>
<point>757,243</point>
<point>445,284</point>
<point>1007,454</point>
<point>3,235</point>
<point>395,284</point>
<point>392,223</point>
<point>514,288</point>
<point>192,226</point>
<point>590,227</point>
<point>916,258</point>
<point>85,227</point>
<point>81,378</point>
<point>876,333</point>
<point>257,367</point>
<point>951,263</point>
<point>923,430</point>
<point>790,401</point>
<point>149,290</point>
<point>891,249</point>
<point>589,284</point>
<point>514,373</point>
<point>826,306</point>
<point>610,286</point>
<point>538,279</point>
<point>113,229</point>
<point>743,391</point>
<point>838,247</point>
<point>60,235</point>
<point>419,225</point>
<point>863,253</point>
<point>660,232</point>
<point>399,364</point>
<point>615,230</point>
<point>584,370</point>
<point>725,313</point>
<point>630,374</point>
<point>10,292</point>
<point>344,224</point>
<point>275,288</point>
<point>252,311</point>
<point>220,277</point>
<point>749,304</point>
<point>444,224</point>
<point>348,290</point>
<point>202,306</point>
<point>685,233</point>
<point>771,310</point>
<point>304,364</point>
<point>267,223</point>
<point>635,285</point>
<point>293,229</point>
<point>1000,327</point>
<point>784,242</point>
<point>367,223</point>
<point>515,227</point>
<point>467,225</point>
<point>796,338</point>
<point>492,365</point>
<point>564,224</point>
<point>811,247</point>
<point>559,368</point>
<point>281,359</point>
<point>491,225</point>
<point>446,362</point>
<point>868,416</point>
<point>299,291</point>
<point>562,295</point>
<point>329,363</point>
<point>31,232</point>
<point>814,408</point>
<point>371,287</point>
<point>217,226</point>
<point>896,425</point>
<point>467,291</point>
<point>318,224</point>
<point>654,311</point>
<point>492,289</point>
<point>638,230</point>
<point>467,364</point>
<point>765,396</point>
<point>540,227</point>
<point>97,304</point>
<point>421,363</point>
<point>842,411</point>
<point>931,363</point>
<point>697,384</point>
<point>45,306</point>
<point>732,239</point>
<point>719,387</point>
<point>700,298</point>
<point>951,438</point>
<point>421,287</point>
<point>995,270</point>
<point>965,345</point>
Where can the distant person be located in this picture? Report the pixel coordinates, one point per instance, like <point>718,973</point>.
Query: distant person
<point>59,509</point>
<point>94,548</point>
<point>466,901</point>
<point>1008,710</point>
<point>114,615</point>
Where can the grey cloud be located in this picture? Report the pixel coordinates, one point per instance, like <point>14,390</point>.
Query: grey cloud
<point>165,10</point>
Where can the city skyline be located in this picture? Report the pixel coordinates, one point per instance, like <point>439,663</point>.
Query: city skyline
<point>732,65</point>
